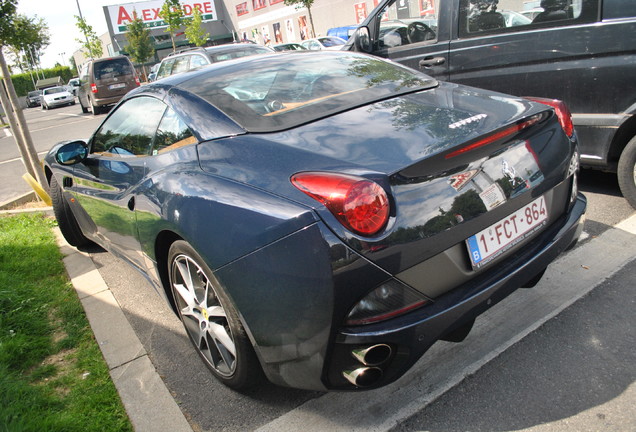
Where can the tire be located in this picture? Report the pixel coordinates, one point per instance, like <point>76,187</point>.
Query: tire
<point>96,109</point>
<point>84,109</point>
<point>627,172</point>
<point>210,320</point>
<point>65,218</point>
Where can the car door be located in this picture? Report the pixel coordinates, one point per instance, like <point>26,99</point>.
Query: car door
<point>549,56</point>
<point>413,32</point>
<point>107,183</point>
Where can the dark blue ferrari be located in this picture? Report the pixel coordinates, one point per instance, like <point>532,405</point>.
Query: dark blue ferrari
<point>322,219</point>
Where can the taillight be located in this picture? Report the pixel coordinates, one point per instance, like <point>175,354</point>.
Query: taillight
<point>500,135</point>
<point>562,112</point>
<point>359,204</point>
<point>94,88</point>
<point>137,81</point>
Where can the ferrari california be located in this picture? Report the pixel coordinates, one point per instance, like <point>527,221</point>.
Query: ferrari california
<point>322,219</point>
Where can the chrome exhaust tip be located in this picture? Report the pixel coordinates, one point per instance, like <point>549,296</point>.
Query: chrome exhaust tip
<point>372,356</point>
<point>364,376</point>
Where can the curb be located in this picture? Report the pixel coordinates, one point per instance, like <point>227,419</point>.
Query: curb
<point>148,402</point>
<point>22,199</point>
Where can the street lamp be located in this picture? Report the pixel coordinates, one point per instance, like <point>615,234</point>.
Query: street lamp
<point>62,54</point>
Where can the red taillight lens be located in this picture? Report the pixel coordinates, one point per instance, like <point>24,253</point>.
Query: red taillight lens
<point>94,88</point>
<point>137,81</point>
<point>562,112</point>
<point>361,205</point>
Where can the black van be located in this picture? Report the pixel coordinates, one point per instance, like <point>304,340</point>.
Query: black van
<point>580,51</point>
<point>104,82</point>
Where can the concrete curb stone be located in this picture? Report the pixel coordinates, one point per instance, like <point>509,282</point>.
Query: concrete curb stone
<point>148,402</point>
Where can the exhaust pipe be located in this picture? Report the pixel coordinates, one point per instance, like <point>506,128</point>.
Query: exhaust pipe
<point>364,376</point>
<point>373,355</point>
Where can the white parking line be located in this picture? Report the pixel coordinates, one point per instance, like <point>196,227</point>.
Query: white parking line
<point>70,115</point>
<point>19,158</point>
<point>446,364</point>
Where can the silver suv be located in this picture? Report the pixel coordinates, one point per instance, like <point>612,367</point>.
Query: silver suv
<point>192,58</point>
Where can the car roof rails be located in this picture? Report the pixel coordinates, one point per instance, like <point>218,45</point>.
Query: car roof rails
<point>183,50</point>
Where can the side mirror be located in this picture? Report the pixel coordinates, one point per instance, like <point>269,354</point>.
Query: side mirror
<point>72,153</point>
<point>362,39</point>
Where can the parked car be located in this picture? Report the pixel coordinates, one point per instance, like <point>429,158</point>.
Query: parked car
<point>53,97</point>
<point>288,47</point>
<point>152,75</point>
<point>73,85</point>
<point>324,217</point>
<point>580,51</point>
<point>103,82</point>
<point>342,32</point>
<point>193,58</point>
<point>33,98</point>
<point>329,43</point>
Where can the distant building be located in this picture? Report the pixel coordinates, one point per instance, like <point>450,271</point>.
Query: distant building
<point>262,21</point>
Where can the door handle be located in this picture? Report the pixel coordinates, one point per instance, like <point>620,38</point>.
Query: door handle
<point>131,204</point>
<point>432,61</point>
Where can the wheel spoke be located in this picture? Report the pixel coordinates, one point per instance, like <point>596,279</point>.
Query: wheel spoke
<point>188,298</point>
<point>221,336</point>
<point>216,312</point>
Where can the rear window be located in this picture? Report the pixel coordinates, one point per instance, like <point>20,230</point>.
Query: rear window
<point>279,92</point>
<point>113,68</point>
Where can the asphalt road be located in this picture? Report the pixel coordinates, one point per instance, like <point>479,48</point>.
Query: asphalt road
<point>573,373</point>
<point>47,129</point>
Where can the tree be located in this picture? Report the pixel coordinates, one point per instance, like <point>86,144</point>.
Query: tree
<point>73,64</point>
<point>91,42</point>
<point>140,45</point>
<point>172,13</point>
<point>304,4</point>
<point>9,99</point>
<point>194,31</point>
<point>30,38</point>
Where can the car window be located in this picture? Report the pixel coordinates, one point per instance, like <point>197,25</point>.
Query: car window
<point>129,130</point>
<point>331,42</point>
<point>172,133</point>
<point>165,69</point>
<point>478,17</point>
<point>406,22</point>
<point>290,91</point>
<point>619,9</point>
<point>113,68</point>
<point>180,64</point>
<point>198,61</point>
<point>53,90</point>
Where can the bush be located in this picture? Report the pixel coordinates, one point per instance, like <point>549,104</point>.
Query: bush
<point>23,83</point>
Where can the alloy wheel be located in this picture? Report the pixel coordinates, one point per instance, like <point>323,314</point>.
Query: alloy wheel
<point>202,314</point>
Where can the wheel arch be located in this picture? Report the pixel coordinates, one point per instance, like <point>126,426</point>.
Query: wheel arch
<point>164,240</point>
<point>623,135</point>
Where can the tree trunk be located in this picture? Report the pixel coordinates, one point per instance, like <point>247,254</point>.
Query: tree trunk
<point>26,146</point>
<point>311,21</point>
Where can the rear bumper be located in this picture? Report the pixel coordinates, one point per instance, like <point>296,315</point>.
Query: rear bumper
<point>412,335</point>
<point>108,101</point>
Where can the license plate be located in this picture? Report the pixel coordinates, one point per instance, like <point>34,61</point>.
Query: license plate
<point>488,244</point>
<point>116,86</point>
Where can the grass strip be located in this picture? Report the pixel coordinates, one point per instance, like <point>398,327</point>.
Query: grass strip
<point>52,374</point>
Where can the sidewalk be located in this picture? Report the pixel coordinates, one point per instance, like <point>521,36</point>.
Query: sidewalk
<point>149,404</point>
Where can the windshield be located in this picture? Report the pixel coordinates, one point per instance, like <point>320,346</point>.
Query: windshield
<point>278,92</point>
<point>53,90</point>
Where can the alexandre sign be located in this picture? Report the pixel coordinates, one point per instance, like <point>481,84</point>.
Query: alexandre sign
<point>148,11</point>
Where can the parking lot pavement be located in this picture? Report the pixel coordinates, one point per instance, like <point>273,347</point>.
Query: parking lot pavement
<point>575,373</point>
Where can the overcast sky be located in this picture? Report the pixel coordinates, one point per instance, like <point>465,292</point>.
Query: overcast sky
<point>59,16</point>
